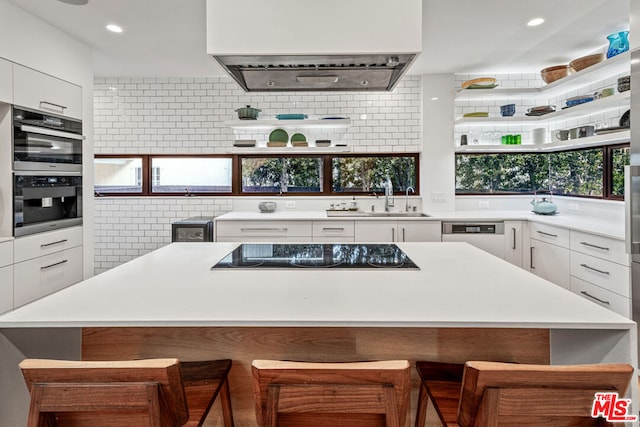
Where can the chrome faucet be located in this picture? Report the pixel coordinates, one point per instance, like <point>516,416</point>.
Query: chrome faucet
<point>388,195</point>
<point>406,200</point>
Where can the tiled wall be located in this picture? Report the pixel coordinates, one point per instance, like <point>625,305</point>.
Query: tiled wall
<point>189,115</point>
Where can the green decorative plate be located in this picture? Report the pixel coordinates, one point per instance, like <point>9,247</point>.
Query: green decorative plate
<point>298,137</point>
<point>279,135</point>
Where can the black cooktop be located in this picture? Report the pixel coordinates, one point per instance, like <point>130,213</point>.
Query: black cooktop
<point>316,255</point>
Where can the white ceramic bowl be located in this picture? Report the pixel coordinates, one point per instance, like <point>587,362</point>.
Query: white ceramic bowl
<point>267,207</point>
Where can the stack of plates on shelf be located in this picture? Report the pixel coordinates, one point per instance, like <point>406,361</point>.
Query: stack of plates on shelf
<point>477,114</point>
<point>299,140</point>
<point>480,83</point>
<point>244,143</point>
<point>291,116</point>
<point>577,100</point>
<point>278,138</point>
<point>323,142</point>
<point>540,110</point>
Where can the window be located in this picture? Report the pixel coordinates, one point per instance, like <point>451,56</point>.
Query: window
<point>593,172</point>
<point>250,174</point>
<point>369,174</point>
<point>282,174</point>
<point>190,175</point>
<point>121,175</point>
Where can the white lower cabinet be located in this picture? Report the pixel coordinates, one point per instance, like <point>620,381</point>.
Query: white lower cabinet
<point>6,289</point>
<point>398,231</point>
<point>333,231</point>
<point>37,245</point>
<point>600,296</point>
<point>263,231</point>
<point>550,262</point>
<point>513,241</point>
<point>42,276</point>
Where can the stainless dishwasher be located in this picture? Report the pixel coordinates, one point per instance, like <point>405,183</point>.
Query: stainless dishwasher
<point>488,236</point>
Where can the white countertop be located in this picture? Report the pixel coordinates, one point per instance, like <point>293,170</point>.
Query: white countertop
<point>603,227</point>
<point>457,286</point>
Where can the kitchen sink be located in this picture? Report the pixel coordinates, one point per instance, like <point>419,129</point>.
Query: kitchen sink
<point>347,213</point>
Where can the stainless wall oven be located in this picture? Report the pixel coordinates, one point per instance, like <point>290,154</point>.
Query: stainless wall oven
<point>43,201</point>
<point>44,142</point>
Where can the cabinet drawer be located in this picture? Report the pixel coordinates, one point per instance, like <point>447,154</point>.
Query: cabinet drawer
<point>39,91</point>
<point>250,229</point>
<point>330,229</point>
<point>606,274</point>
<point>603,297</point>
<point>6,289</point>
<point>6,82</point>
<point>599,246</point>
<point>550,234</point>
<point>6,253</point>
<point>42,276</point>
<point>36,245</point>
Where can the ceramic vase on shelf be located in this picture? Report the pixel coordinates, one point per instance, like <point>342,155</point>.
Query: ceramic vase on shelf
<point>618,43</point>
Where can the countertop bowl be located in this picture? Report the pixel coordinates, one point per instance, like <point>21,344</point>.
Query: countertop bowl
<point>551,74</point>
<point>586,61</point>
<point>267,207</point>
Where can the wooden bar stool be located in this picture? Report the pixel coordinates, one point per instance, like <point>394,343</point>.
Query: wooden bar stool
<point>152,392</point>
<point>331,394</point>
<point>495,393</point>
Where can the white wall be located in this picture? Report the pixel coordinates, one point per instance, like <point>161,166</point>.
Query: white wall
<point>437,167</point>
<point>27,40</point>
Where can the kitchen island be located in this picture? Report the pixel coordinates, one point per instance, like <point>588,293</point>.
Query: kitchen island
<point>461,304</point>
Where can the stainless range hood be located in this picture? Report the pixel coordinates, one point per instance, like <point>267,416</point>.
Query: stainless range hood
<point>333,45</point>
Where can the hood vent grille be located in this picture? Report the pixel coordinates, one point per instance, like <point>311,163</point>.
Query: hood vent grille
<point>316,73</point>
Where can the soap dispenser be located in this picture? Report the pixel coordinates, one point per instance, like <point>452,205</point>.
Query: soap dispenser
<point>354,204</point>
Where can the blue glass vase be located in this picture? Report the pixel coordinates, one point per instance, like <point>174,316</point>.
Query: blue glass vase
<point>618,43</point>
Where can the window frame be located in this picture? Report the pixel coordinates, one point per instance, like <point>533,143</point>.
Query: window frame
<point>607,171</point>
<point>236,178</point>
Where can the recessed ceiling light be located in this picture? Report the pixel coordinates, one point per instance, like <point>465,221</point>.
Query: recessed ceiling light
<point>535,22</point>
<point>114,28</point>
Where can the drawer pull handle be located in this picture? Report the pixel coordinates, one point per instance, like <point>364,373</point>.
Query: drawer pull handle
<point>594,246</point>
<point>332,228</point>
<point>46,267</point>
<point>53,243</point>
<point>284,229</point>
<point>531,258</point>
<point>547,234</point>
<point>587,294</point>
<point>513,246</point>
<point>56,107</point>
<point>594,269</point>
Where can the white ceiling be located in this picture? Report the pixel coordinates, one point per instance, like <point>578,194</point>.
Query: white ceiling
<point>167,37</point>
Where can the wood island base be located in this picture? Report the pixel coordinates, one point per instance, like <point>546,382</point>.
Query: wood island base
<point>320,344</point>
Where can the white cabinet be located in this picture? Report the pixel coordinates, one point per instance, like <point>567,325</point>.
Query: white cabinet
<point>600,296</point>
<point>600,271</point>
<point>513,241</point>
<point>419,231</point>
<point>6,289</point>
<point>397,231</point>
<point>6,253</point>
<point>37,245</point>
<point>42,276</point>
<point>333,231</point>
<point>550,262</point>
<point>6,82</point>
<point>264,231</point>
<point>39,91</point>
